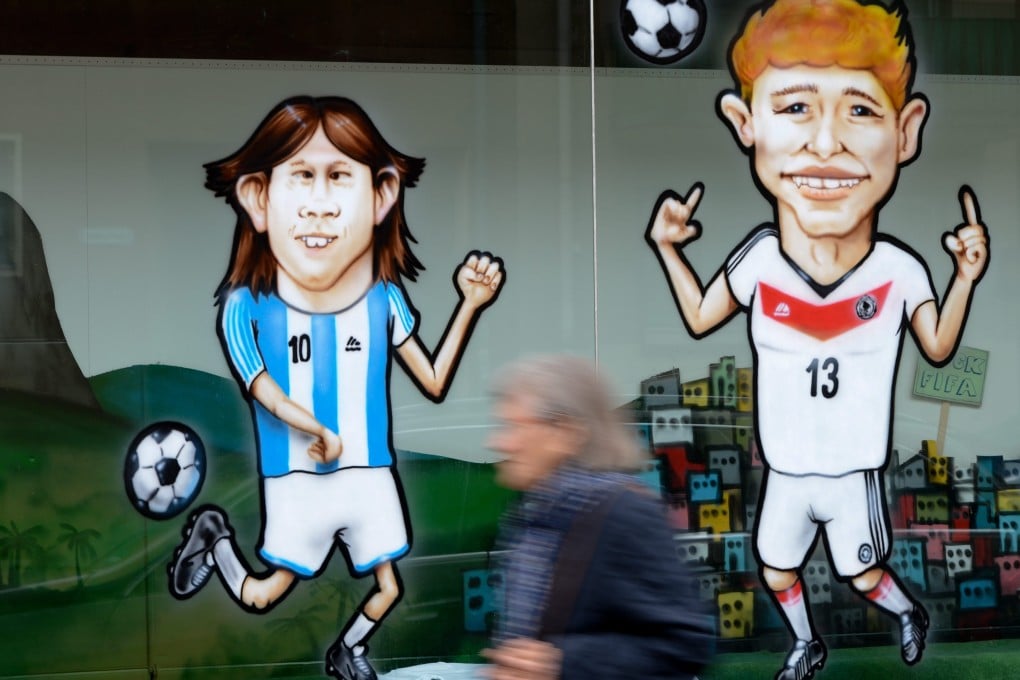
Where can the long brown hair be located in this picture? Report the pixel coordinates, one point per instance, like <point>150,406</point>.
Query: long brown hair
<point>280,135</point>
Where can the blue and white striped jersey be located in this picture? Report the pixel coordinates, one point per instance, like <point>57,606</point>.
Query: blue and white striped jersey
<point>335,365</point>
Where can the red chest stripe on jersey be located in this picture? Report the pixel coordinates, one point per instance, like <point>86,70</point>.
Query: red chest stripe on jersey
<point>822,322</point>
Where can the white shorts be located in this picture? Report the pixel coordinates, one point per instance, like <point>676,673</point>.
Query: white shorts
<point>306,513</point>
<point>849,509</point>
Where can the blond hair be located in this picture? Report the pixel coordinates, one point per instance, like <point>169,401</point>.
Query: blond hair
<point>823,33</point>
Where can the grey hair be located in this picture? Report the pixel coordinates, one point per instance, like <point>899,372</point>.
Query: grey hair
<point>565,387</point>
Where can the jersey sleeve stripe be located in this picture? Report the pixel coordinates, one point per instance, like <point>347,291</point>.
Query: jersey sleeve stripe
<point>240,340</point>
<point>399,305</point>
<point>738,256</point>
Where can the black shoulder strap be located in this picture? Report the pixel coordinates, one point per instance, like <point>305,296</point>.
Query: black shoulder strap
<point>575,554</point>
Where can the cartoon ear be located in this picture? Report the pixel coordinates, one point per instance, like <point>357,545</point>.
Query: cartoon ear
<point>253,195</point>
<point>910,123</point>
<point>387,188</point>
<point>738,114</point>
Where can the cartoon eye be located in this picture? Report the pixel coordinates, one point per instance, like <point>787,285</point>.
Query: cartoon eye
<point>861,110</point>
<point>794,109</point>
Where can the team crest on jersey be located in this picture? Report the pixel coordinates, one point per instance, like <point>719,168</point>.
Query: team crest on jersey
<point>866,307</point>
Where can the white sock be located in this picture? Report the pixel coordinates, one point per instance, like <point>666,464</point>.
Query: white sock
<point>230,566</point>
<point>359,629</point>
<point>793,608</point>
<point>888,595</point>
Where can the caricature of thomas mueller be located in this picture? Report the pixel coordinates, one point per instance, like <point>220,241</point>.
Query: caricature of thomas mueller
<point>311,312</point>
<point>825,113</point>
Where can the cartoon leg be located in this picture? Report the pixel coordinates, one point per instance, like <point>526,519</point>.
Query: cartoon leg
<point>808,653</point>
<point>261,593</point>
<point>346,659</point>
<point>883,589</point>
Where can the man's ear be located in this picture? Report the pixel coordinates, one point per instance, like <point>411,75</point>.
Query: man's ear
<point>387,188</point>
<point>253,195</point>
<point>910,124</point>
<point>738,114</point>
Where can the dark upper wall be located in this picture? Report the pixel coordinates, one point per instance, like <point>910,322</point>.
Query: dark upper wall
<point>954,36</point>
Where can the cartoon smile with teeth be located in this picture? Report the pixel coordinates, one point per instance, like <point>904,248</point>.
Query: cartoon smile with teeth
<point>314,198</point>
<point>824,111</point>
<point>825,143</point>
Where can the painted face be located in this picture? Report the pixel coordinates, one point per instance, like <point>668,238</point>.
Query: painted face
<point>320,214</point>
<point>826,146</point>
<point>532,447</point>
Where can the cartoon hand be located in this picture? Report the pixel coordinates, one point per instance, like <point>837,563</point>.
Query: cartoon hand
<point>672,225</point>
<point>479,278</point>
<point>968,243</point>
<point>326,448</point>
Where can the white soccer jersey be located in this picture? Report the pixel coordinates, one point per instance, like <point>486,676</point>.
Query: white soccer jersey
<point>825,357</point>
<point>335,365</point>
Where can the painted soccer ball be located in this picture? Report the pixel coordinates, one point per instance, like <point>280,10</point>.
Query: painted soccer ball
<point>662,31</point>
<point>164,469</point>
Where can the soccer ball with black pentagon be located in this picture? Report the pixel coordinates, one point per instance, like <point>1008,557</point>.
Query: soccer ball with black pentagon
<point>164,469</point>
<point>662,31</point>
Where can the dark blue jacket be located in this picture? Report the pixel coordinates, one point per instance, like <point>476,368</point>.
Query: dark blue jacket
<point>637,614</point>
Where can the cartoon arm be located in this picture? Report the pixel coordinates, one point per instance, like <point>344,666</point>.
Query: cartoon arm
<point>938,331</point>
<point>326,448</point>
<point>478,281</point>
<point>702,310</point>
<point>237,333</point>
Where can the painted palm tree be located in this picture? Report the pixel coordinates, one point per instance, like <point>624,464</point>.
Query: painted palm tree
<point>79,541</point>
<point>307,624</point>
<point>327,588</point>
<point>16,544</point>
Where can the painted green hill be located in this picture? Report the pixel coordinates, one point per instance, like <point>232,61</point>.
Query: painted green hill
<point>210,405</point>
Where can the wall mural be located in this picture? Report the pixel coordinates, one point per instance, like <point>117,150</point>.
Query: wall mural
<point>824,110</point>
<point>107,404</point>
<point>311,312</point>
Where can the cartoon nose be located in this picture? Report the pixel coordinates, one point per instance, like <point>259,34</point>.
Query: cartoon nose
<point>824,141</point>
<point>319,209</point>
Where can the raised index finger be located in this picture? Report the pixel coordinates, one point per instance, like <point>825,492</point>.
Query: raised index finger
<point>971,212</point>
<point>693,196</point>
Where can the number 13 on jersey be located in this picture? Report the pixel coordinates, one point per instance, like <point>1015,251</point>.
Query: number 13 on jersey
<point>824,377</point>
